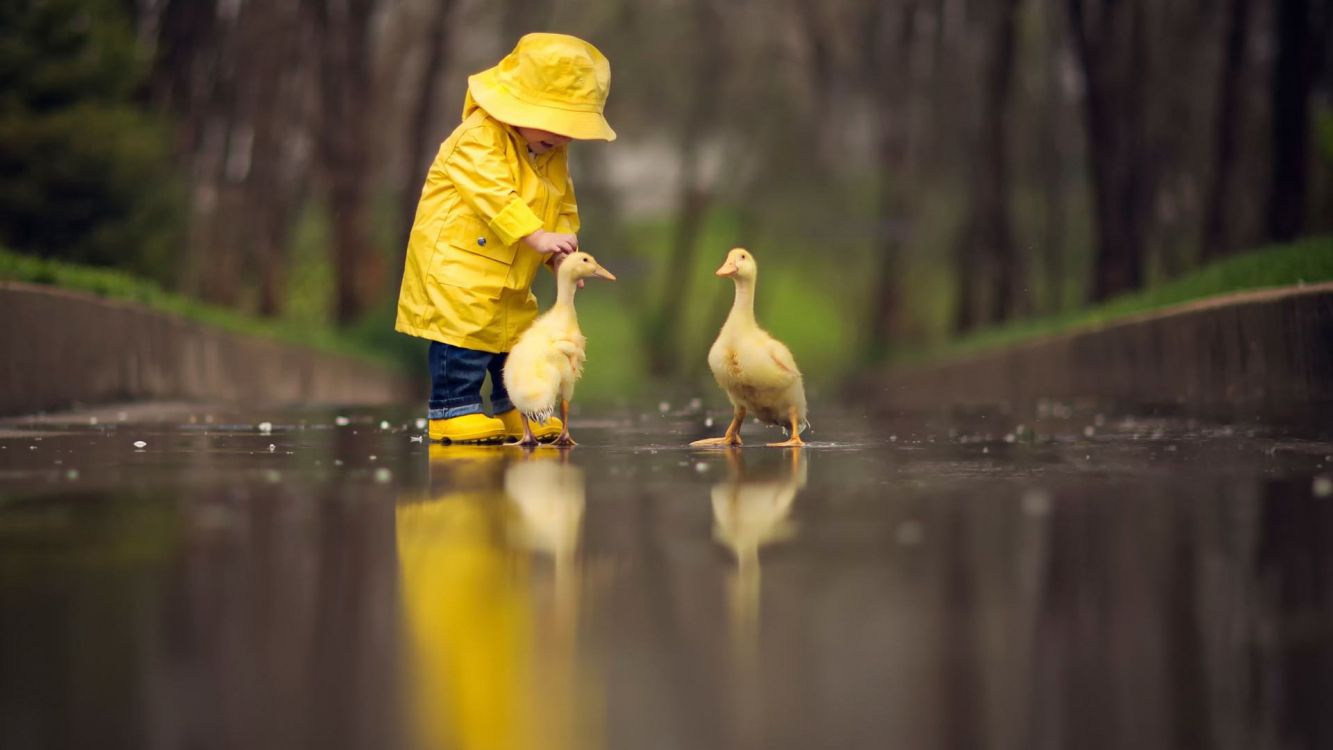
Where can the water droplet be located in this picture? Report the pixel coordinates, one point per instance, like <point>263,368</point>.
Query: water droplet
<point>342,421</point>
<point>909,533</point>
<point>383,475</point>
<point>140,444</point>
<point>384,424</point>
<point>421,423</point>
<point>1322,486</point>
<point>708,422</point>
<point>272,447</point>
<point>701,467</point>
<point>416,438</point>
<point>1009,437</point>
<point>92,420</point>
<point>266,427</point>
<point>1036,502</point>
<point>1088,431</point>
<point>373,457</point>
<point>72,475</point>
<point>664,407</point>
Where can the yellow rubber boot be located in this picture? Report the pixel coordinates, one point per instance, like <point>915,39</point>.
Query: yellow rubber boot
<point>513,423</point>
<point>469,428</point>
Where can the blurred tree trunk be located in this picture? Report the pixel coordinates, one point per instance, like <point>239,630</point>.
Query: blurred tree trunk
<point>190,79</point>
<point>422,143</point>
<point>1051,161</point>
<point>1110,37</point>
<point>695,198</point>
<point>1299,26</point>
<point>343,32</point>
<point>1217,230</point>
<point>272,101</point>
<point>889,32</point>
<point>989,267</point>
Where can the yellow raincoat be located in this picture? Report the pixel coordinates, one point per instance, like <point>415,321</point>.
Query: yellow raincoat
<point>467,278</point>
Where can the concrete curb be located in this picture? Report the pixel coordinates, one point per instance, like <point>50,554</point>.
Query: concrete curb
<point>1269,350</point>
<point>61,347</point>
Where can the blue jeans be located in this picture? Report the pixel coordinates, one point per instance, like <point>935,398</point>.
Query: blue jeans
<point>456,375</point>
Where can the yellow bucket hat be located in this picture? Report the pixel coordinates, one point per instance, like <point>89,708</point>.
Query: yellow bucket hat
<point>552,82</point>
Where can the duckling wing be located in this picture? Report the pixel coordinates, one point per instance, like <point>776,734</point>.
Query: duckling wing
<point>763,362</point>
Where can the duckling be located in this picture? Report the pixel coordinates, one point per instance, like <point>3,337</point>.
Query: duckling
<point>548,359</point>
<point>756,371</point>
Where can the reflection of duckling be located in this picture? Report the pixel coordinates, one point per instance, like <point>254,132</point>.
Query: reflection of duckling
<point>756,370</point>
<point>749,513</point>
<point>548,359</point>
<point>549,496</point>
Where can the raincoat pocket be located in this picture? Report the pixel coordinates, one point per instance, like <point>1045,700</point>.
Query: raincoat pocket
<point>470,256</point>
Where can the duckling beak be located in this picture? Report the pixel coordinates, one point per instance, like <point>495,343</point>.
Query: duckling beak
<point>727,269</point>
<point>605,274</point>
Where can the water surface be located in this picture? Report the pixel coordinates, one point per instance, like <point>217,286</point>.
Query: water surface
<point>333,581</point>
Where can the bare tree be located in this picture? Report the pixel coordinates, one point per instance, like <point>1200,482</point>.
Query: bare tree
<point>1301,28</point>
<point>1217,239</point>
<point>343,32</point>
<point>988,261</point>
<point>421,143</point>
<point>888,33</point>
<point>1111,40</point>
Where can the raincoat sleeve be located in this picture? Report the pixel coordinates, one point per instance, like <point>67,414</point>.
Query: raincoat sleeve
<point>480,172</point>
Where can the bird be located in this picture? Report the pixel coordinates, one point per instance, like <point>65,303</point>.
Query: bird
<point>755,370</point>
<point>547,360</point>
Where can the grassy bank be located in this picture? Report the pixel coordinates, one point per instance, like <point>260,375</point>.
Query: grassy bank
<point>1306,261</point>
<point>117,285</point>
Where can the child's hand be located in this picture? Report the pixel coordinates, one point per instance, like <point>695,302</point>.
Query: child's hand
<point>546,242</point>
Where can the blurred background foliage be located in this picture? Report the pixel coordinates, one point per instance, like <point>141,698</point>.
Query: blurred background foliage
<point>913,175</point>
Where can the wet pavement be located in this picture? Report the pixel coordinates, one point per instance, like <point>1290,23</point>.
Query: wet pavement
<point>205,580</point>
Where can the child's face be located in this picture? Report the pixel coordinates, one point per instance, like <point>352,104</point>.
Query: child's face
<point>541,141</point>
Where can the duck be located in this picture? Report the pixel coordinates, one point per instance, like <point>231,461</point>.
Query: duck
<point>755,370</point>
<point>547,360</point>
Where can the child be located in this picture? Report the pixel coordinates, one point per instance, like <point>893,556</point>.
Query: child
<point>497,204</point>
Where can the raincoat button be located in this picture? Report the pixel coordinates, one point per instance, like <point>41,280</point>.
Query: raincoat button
<point>481,241</point>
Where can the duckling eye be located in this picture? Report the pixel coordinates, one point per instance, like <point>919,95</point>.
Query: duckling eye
<point>585,260</point>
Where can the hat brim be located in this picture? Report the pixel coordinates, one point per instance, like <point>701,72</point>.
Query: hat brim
<point>504,106</point>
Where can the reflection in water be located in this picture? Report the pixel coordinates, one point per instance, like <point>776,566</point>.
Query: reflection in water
<point>492,648</point>
<point>749,512</point>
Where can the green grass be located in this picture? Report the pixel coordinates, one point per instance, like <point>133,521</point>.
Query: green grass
<point>1306,261</point>
<point>118,285</point>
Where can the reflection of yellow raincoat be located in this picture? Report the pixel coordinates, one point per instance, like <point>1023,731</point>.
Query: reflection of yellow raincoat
<point>467,276</point>
<point>489,667</point>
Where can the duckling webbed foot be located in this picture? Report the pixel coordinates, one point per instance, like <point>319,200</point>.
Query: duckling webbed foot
<point>731,439</point>
<point>795,441</point>
<point>565,441</point>
<point>528,440</point>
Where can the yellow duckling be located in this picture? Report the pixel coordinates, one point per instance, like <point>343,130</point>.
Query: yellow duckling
<point>756,371</point>
<point>548,359</point>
